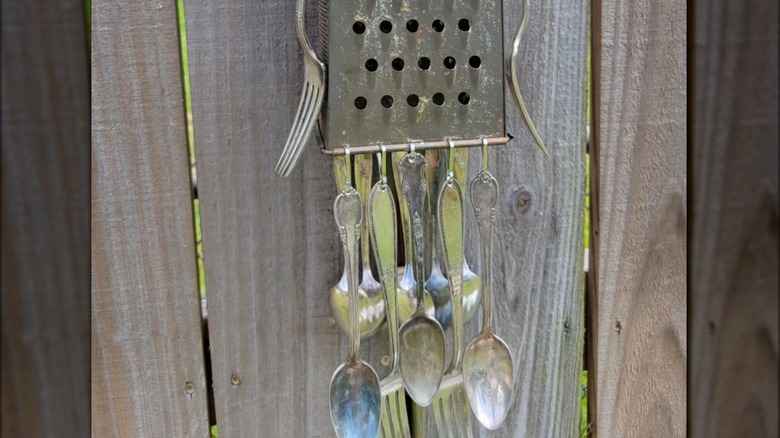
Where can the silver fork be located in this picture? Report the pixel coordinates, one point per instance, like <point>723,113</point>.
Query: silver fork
<point>383,226</point>
<point>450,407</point>
<point>312,97</point>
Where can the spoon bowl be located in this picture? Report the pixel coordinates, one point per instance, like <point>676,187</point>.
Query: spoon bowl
<point>487,376</point>
<point>371,308</point>
<point>421,349</point>
<point>355,400</point>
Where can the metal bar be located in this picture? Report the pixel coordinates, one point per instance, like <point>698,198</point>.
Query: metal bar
<point>418,145</point>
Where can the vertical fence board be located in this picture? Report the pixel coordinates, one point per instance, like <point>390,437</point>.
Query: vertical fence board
<point>271,249</point>
<point>45,228</point>
<point>734,254</point>
<point>639,219</point>
<point>270,245</point>
<point>146,329</point>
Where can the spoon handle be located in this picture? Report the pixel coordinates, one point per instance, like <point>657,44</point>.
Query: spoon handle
<point>382,223</point>
<point>484,197</point>
<point>363,171</point>
<point>348,212</point>
<point>415,193</point>
<point>451,231</point>
<point>406,221</point>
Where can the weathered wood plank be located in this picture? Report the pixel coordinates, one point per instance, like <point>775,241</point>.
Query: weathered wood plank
<point>270,245</point>
<point>45,225</point>
<point>734,254</point>
<point>639,219</point>
<point>148,374</point>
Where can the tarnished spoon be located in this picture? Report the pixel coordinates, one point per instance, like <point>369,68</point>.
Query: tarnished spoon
<point>371,306</point>
<point>421,338</point>
<point>355,396</point>
<point>487,361</point>
<point>406,289</point>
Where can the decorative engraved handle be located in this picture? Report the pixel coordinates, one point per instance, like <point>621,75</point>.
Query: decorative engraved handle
<point>415,193</point>
<point>484,197</point>
<point>348,212</point>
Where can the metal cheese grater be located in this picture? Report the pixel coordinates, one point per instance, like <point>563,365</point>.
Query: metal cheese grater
<point>403,73</point>
<point>421,71</point>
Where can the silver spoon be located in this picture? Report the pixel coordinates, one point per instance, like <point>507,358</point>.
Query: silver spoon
<point>370,302</point>
<point>355,396</point>
<point>421,339</point>
<point>487,361</point>
<point>406,288</point>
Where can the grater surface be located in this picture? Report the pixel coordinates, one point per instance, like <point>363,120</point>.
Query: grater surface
<point>379,89</point>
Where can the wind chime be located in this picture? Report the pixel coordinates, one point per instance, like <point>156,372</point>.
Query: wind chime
<point>414,84</point>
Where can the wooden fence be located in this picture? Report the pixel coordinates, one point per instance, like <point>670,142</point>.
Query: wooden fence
<point>262,364</point>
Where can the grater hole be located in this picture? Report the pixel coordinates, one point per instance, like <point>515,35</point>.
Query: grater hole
<point>475,61</point>
<point>359,27</point>
<point>413,100</point>
<point>438,99</point>
<point>361,103</point>
<point>412,26</point>
<point>386,26</point>
<point>424,63</point>
<point>449,62</point>
<point>398,64</point>
<point>464,98</point>
<point>464,24</point>
<point>438,25</point>
<point>372,65</point>
<point>387,101</point>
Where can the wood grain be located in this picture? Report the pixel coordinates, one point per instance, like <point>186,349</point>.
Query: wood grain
<point>734,254</point>
<point>148,374</point>
<point>271,248</point>
<point>45,220</point>
<point>638,301</point>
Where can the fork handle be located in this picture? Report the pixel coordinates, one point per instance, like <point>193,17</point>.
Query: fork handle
<point>300,28</point>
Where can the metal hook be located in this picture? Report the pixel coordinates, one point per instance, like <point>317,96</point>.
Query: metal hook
<point>348,164</point>
<point>383,162</point>
<point>484,154</point>
<point>516,87</point>
<point>411,146</point>
<point>451,163</point>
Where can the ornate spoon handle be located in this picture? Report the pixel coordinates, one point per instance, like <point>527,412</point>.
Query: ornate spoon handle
<point>348,212</point>
<point>484,196</point>
<point>415,193</point>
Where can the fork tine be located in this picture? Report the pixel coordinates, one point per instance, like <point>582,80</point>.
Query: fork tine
<point>438,414</point>
<point>305,133</point>
<point>301,118</point>
<point>290,144</point>
<point>307,122</point>
<point>403,417</point>
<point>385,431</point>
